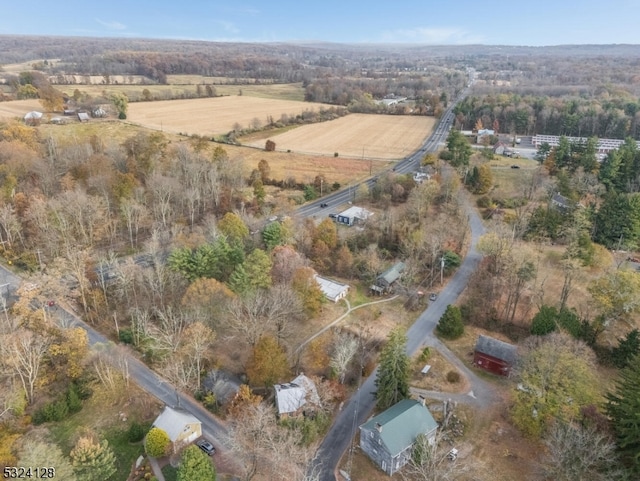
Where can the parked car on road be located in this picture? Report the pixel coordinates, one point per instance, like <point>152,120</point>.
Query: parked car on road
<point>433,296</point>
<point>206,446</point>
<point>323,205</point>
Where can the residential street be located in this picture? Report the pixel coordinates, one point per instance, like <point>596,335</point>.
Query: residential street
<point>358,409</point>
<point>138,372</point>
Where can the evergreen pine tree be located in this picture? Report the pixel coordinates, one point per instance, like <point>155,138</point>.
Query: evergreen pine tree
<point>393,373</point>
<point>450,324</point>
<point>623,407</point>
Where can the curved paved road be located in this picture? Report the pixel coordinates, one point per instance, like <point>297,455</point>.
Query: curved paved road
<point>358,408</point>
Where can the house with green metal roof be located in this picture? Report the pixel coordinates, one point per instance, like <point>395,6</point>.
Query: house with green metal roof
<point>384,282</point>
<point>389,437</point>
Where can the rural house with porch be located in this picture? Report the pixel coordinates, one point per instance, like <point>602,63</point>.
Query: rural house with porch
<point>389,437</point>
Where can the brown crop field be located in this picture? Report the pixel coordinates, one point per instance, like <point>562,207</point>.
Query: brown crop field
<point>366,136</point>
<point>17,108</point>
<point>214,116</point>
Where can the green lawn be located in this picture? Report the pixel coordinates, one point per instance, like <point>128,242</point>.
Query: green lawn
<point>126,453</point>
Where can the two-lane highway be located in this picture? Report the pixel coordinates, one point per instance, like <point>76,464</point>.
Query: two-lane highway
<point>409,164</point>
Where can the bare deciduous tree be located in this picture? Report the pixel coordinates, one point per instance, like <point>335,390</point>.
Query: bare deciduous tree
<point>577,452</point>
<point>264,311</point>
<point>23,353</point>
<point>262,447</point>
<point>429,462</point>
<point>344,348</point>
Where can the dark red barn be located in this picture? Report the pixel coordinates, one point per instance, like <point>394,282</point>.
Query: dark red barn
<point>494,355</point>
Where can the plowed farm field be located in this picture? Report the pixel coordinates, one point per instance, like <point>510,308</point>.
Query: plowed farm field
<point>214,116</point>
<point>385,137</point>
<point>18,108</point>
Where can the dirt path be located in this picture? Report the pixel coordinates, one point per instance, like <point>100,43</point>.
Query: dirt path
<point>349,311</point>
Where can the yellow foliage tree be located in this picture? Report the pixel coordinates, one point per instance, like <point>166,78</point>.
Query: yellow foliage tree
<point>268,363</point>
<point>232,226</point>
<point>71,351</point>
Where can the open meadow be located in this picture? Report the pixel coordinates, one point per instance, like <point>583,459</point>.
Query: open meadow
<point>387,137</point>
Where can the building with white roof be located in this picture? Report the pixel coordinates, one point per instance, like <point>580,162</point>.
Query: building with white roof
<point>334,291</point>
<point>353,215</point>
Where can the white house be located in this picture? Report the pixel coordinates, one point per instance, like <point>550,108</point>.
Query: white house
<point>353,215</point>
<point>332,290</point>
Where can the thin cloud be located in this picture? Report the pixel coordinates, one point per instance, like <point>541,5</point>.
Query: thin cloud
<point>228,27</point>
<point>438,36</point>
<point>241,10</point>
<point>112,25</point>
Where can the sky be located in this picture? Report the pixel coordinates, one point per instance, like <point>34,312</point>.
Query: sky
<point>429,22</point>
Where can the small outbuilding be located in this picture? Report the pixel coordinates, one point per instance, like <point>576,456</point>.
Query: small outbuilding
<point>33,117</point>
<point>561,203</point>
<point>353,215</point>
<point>494,355</point>
<point>332,290</point>
<point>83,117</point>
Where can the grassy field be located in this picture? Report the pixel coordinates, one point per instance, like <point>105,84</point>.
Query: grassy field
<point>357,136</point>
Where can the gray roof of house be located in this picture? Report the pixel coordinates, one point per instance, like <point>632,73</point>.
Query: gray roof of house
<point>222,384</point>
<point>496,348</point>
<point>561,200</point>
<point>293,395</point>
<point>173,421</point>
<point>401,424</point>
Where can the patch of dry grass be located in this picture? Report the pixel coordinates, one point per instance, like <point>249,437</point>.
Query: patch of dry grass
<point>304,167</point>
<point>436,378</point>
